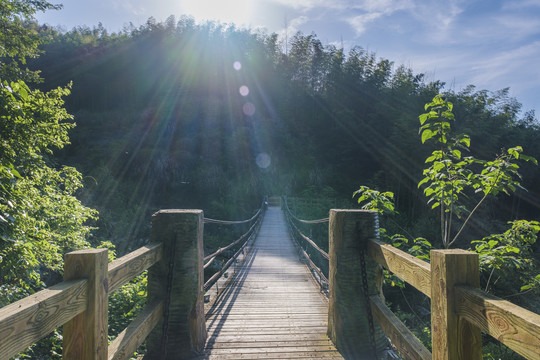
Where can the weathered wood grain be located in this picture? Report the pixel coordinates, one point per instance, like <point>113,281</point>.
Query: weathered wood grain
<point>32,318</point>
<point>127,267</point>
<point>127,342</point>
<point>85,336</point>
<point>348,326</point>
<point>402,338</point>
<point>517,328</point>
<point>272,307</point>
<point>178,280</point>
<point>452,337</point>
<point>407,267</point>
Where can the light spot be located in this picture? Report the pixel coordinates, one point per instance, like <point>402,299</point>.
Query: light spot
<point>263,160</point>
<point>244,90</point>
<point>237,65</point>
<point>249,109</point>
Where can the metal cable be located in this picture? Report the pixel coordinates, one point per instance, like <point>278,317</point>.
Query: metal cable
<point>217,275</point>
<point>317,221</point>
<point>321,251</point>
<point>310,262</point>
<point>220,250</point>
<point>229,222</point>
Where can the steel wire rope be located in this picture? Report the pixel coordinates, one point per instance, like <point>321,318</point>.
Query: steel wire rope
<point>232,222</point>
<point>312,243</point>
<point>317,221</point>
<point>218,274</point>
<point>311,264</point>
<point>221,250</point>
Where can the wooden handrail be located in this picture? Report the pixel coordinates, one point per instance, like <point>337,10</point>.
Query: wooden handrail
<point>402,338</point>
<point>517,328</point>
<point>127,342</point>
<point>510,324</point>
<point>407,267</point>
<point>30,319</point>
<point>128,266</point>
<point>459,310</point>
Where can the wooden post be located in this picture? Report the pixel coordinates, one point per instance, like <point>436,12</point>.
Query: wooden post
<point>178,280</point>
<point>453,338</point>
<point>85,336</point>
<point>348,325</point>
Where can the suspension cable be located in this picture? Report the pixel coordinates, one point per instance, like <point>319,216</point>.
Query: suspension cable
<point>229,222</point>
<point>311,242</point>
<point>221,250</point>
<point>218,274</point>
<point>317,221</point>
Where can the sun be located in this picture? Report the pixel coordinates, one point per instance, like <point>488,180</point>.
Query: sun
<point>225,11</point>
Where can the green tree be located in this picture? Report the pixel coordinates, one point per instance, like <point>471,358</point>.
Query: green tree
<point>40,217</point>
<point>450,174</point>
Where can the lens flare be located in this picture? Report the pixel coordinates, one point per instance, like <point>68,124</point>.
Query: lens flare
<point>237,65</point>
<point>249,109</point>
<point>244,90</point>
<point>263,160</point>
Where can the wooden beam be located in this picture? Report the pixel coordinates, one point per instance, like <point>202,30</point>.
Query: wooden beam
<point>348,325</point>
<point>510,324</point>
<point>405,266</point>
<point>85,336</point>
<point>127,267</point>
<point>34,317</point>
<point>400,336</point>
<point>178,280</point>
<point>127,342</point>
<point>453,338</point>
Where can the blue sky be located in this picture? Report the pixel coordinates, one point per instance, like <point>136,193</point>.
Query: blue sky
<point>491,44</point>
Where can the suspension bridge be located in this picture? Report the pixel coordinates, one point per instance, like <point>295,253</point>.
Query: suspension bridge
<point>269,300</point>
<point>272,308</point>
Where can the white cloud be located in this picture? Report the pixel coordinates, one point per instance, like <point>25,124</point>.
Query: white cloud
<point>513,67</point>
<point>293,26</point>
<point>520,5</point>
<point>384,6</point>
<point>306,5</point>
<point>136,8</point>
<point>519,25</point>
<point>359,23</point>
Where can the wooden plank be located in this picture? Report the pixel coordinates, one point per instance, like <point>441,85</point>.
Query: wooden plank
<point>127,267</point>
<point>452,338</point>
<point>127,342</point>
<point>407,267</point>
<point>34,317</point>
<point>271,354</point>
<point>510,324</point>
<point>85,336</point>
<point>400,336</point>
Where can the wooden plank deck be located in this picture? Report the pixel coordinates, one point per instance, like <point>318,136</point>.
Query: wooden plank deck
<point>273,308</point>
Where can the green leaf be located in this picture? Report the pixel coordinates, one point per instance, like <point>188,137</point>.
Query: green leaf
<point>426,135</point>
<point>456,153</point>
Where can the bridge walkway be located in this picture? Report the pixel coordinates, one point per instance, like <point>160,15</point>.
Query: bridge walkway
<point>272,309</point>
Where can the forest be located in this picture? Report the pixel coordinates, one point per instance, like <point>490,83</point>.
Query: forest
<point>100,130</point>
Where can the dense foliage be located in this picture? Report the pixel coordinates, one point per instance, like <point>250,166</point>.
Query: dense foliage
<point>40,217</point>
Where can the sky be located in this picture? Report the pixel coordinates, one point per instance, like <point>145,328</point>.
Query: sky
<point>492,44</point>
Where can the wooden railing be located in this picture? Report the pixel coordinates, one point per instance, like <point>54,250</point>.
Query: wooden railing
<point>460,311</point>
<point>80,302</point>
